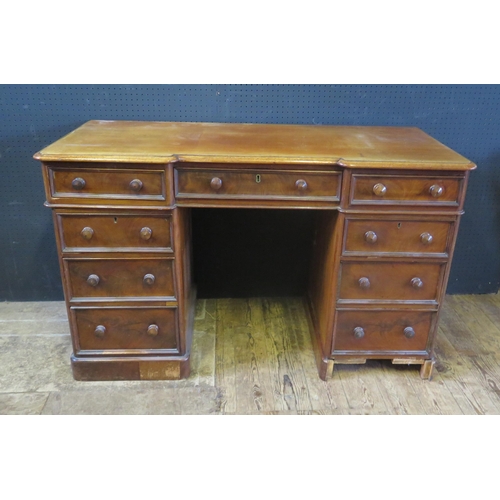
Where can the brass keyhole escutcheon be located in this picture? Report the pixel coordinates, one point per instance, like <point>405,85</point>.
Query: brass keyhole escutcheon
<point>257,178</point>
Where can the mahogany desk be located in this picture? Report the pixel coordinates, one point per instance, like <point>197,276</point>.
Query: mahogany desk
<point>388,203</point>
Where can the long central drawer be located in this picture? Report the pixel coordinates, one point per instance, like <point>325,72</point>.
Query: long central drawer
<point>257,184</point>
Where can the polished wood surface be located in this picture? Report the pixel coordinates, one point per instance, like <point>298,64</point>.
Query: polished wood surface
<point>347,146</point>
<point>389,202</point>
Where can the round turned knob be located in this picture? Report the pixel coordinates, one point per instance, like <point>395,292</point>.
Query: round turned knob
<point>152,330</point>
<point>359,333</point>
<point>149,279</point>
<point>78,183</point>
<point>99,331</point>
<point>93,280</point>
<point>436,190</point>
<point>146,233</point>
<point>379,189</point>
<point>426,238</point>
<point>301,185</point>
<point>409,332</point>
<point>135,185</point>
<point>87,233</point>
<point>370,237</point>
<point>216,183</point>
<point>417,283</point>
<point>364,282</point>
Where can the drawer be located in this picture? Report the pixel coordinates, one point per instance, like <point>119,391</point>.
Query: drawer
<point>120,278</point>
<point>405,190</point>
<point>387,331</point>
<point>258,184</point>
<point>397,237</point>
<point>109,185</point>
<point>115,232</point>
<point>390,281</point>
<point>121,329</point>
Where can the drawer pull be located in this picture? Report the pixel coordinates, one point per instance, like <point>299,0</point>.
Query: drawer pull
<point>370,237</point>
<point>87,233</point>
<point>359,333</point>
<point>152,330</point>
<point>78,183</point>
<point>149,279</point>
<point>93,280</point>
<point>417,283</point>
<point>146,233</point>
<point>135,185</point>
<point>436,191</point>
<point>409,332</point>
<point>426,238</point>
<point>99,331</point>
<point>379,189</point>
<point>301,185</point>
<point>364,282</point>
<point>216,183</point>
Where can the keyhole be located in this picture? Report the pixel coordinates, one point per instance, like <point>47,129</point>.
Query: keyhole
<point>257,178</point>
<point>116,220</point>
<point>399,225</point>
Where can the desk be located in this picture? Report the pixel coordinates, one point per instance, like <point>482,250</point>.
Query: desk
<point>388,202</point>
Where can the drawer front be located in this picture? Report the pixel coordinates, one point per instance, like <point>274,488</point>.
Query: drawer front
<point>115,232</point>
<point>120,278</point>
<point>389,281</point>
<point>107,184</point>
<point>375,331</point>
<point>120,329</point>
<point>405,190</point>
<point>257,184</point>
<point>397,237</point>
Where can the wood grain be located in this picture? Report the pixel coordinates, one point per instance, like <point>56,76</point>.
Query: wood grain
<point>161,142</point>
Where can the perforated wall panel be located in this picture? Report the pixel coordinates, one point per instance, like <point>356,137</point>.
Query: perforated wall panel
<point>464,117</point>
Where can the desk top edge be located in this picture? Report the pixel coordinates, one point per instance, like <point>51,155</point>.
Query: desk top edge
<point>316,145</point>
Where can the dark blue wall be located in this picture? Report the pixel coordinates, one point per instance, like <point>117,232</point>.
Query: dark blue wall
<point>464,117</point>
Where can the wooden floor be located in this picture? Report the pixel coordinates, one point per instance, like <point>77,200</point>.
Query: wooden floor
<point>255,357</point>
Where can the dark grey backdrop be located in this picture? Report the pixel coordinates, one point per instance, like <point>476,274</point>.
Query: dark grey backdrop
<point>464,117</point>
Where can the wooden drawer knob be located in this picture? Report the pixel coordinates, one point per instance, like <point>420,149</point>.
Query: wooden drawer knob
<point>99,331</point>
<point>436,191</point>
<point>359,333</point>
<point>301,185</point>
<point>87,233</point>
<point>417,283</point>
<point>409,332</point>
<point>152,330</point>
<point>146,233</point>
<point>364,282</point>
<point>135,185</point>
<point>93,280</point>
<point>149,279</point>
<point>426,238</point>
<point>216,183</point>
<point>370,237</point>
<point>379,189</point>
<point>78,183</point>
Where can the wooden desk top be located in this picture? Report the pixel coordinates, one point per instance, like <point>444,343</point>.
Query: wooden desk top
<point>162,142</point>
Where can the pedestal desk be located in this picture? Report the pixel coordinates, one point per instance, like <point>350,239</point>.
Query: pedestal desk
<point>387,206</point>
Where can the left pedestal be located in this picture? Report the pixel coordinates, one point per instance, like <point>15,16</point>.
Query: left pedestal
<point>125,264</point>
